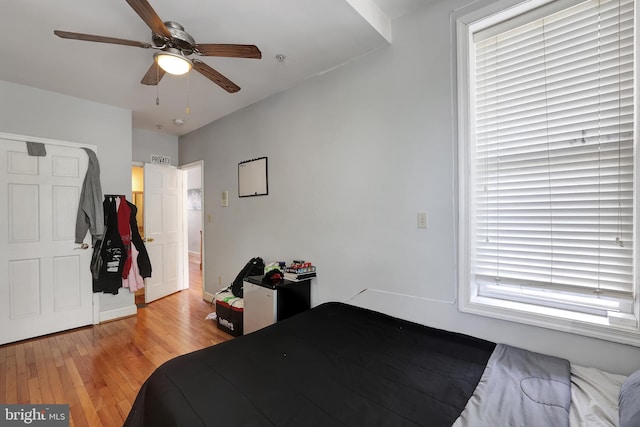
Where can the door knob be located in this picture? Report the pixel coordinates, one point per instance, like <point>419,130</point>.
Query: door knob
<point>148,239</point>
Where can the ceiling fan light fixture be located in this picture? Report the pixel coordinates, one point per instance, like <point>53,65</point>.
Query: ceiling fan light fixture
<point>173,61</point>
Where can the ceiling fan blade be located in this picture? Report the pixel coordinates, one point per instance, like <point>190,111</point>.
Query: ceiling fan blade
<point>149,16</point>
<point>229,50</point>
<point>215,76</point>
<point>153,75</point>
<point>99,39</point>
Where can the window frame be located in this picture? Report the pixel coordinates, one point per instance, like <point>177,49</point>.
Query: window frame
<point>623,328</point>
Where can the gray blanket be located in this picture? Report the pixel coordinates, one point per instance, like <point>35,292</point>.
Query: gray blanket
<point>520,388</point>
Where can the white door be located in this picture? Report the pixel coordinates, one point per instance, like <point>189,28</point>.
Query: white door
<point>163,229</point>
<point>45,281</point>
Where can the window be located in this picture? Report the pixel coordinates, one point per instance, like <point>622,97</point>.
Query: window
<point>547,166</point>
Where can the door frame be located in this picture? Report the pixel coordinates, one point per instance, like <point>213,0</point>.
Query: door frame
<point>185,221</point>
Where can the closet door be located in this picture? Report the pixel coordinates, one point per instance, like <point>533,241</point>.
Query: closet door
<point>45,281</point>
<point>163,229</point>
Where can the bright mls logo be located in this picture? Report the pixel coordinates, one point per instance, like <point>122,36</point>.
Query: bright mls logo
<point>34,415</point>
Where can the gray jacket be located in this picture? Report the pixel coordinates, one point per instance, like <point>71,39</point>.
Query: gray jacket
<point>90,211</point>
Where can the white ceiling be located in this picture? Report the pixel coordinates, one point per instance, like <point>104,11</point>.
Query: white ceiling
<point>313,35</point>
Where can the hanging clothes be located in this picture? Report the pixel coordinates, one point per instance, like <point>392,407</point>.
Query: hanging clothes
<point>124,228</point>
<point>138,263</point>
<point>90,214</point>
<point>143,261</point>
<point>134,280</point>
<point>120,259</point>
<point>112,252</point>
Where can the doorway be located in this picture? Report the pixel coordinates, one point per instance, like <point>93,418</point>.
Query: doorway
<point>193,185</point>
<point>137,194</point>
<point>192,228</point>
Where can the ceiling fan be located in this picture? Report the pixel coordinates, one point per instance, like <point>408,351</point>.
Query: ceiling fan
<point>174,45</point>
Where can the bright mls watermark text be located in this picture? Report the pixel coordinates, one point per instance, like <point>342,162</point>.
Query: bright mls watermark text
<point>34,415</point>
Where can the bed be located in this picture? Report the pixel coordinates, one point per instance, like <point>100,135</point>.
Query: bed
<point>340,365</point>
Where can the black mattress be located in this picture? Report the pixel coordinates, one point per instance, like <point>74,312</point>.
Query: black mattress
<point>334,365</point>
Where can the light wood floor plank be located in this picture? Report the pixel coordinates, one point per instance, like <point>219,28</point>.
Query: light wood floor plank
<point>98,370</point>
<point>52,371</point>
<point>22,380</point>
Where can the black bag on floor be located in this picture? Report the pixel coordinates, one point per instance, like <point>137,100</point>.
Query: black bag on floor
<point>255,267</point>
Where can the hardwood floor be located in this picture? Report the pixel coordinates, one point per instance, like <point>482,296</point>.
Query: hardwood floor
<point>98,370</point>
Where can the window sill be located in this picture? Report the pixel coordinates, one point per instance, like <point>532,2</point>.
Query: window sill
<point>552,318</point>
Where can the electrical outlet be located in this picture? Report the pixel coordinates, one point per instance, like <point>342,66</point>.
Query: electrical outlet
<point>422,220</point>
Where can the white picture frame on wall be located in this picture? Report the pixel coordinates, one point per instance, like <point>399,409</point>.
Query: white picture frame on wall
<point>253,178</point>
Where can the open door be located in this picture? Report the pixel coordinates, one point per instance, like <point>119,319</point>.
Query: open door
<point>163,230</point>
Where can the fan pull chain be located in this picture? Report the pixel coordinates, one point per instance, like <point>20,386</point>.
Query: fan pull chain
<point>188,109</point>
<point>157,84</point>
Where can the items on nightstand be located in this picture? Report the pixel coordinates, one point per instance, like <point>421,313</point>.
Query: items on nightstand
<point>273,277</point>
<point>274,266</point>
<point>300,270</point>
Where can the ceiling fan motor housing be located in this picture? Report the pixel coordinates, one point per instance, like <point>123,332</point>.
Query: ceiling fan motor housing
<point>180,39</point>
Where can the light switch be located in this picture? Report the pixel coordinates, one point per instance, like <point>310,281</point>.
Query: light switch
<point>422,220</point>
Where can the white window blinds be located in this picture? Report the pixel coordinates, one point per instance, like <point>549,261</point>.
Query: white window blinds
<point>554,112</point>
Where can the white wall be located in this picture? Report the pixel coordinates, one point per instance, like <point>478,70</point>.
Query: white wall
<point>34,112</point>
<point>354,154</point>
<point>146,143</point>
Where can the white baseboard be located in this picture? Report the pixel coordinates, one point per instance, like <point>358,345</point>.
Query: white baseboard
<point>207,296</point>
<point>118,313</point>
